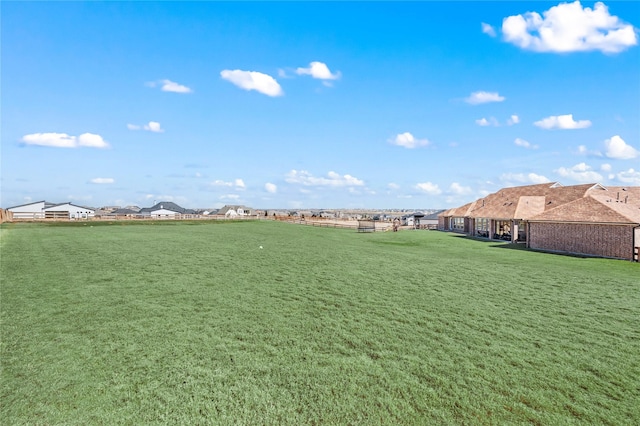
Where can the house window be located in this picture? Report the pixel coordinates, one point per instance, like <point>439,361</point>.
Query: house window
<point>482,227</point>
<point>503,230</point>
<point>457,224</point>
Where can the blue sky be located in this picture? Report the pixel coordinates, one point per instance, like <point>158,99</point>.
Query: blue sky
<point>314,105</point>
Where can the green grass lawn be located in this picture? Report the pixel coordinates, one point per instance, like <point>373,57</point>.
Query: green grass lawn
<point>193,323</point>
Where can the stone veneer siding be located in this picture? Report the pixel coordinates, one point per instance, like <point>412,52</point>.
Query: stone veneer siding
<point>591,239</point>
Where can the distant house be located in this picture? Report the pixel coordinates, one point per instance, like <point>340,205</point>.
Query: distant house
<point>165,210</point>
<point>586,219</point>
<point>124,212</point>
<point>327,214</point>
<point>236,210</point>
<point>270,213</point>
<point>412,220</point>
<point>430,221</point>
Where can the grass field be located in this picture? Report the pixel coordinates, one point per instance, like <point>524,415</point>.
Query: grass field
<point>193,323</point>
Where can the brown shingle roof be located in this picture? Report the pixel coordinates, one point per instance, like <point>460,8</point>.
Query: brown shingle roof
<point>593,209</point>
<point>461,211</point>
<point>552,201</point>
<point>505,203</point>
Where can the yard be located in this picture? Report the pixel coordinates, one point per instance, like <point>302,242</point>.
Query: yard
<point>194,323</point>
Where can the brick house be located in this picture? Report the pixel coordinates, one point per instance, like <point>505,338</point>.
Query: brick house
<point>605,223</point>
<point>585,219</point>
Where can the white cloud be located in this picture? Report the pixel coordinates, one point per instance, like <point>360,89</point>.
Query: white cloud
<point>102,180</point>
<point>525,144</point>
<point>605,167</point>
<point>170,86</point>
<point>630,176</point>
<point>407,140</point>
<point>63,140</point>
<point>237,183</point>
<point>458,189</point>
<point>92,140</point>
<point>524,178</point>
<point>580,172</point>
<point>282,73</point>
<point>271,188</point>
<point>333,179</point>
<point>488,29</point>
<point>153,126</point>
<point>253,80</point>
<point>429,188</point>
<point>318,70</point>
<point>568,27</point>
<point>617,148</point>
<point>393,186</point>
<point>484,97</point>
<point>562,122</point>
<point>58,140</point>
<point>490,122</point>
<point>583,150</point>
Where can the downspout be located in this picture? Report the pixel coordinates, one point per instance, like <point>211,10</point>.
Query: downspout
<point>633,244</point>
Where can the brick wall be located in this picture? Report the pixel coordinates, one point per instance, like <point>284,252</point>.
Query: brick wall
<point>443,223</point>
<point>597,240</point>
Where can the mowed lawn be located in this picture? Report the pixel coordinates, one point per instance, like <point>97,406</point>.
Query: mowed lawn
<point>193,323</point>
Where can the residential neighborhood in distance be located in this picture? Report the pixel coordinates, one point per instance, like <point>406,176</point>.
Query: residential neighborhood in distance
<point>39,210</point>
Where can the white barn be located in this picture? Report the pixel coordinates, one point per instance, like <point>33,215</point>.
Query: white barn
<point>33,210</point>
<point>68,211</point>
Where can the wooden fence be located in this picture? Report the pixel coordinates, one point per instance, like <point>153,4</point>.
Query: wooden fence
<point>5,215</point>
<point>315,221</point>
<point>328,222</point>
